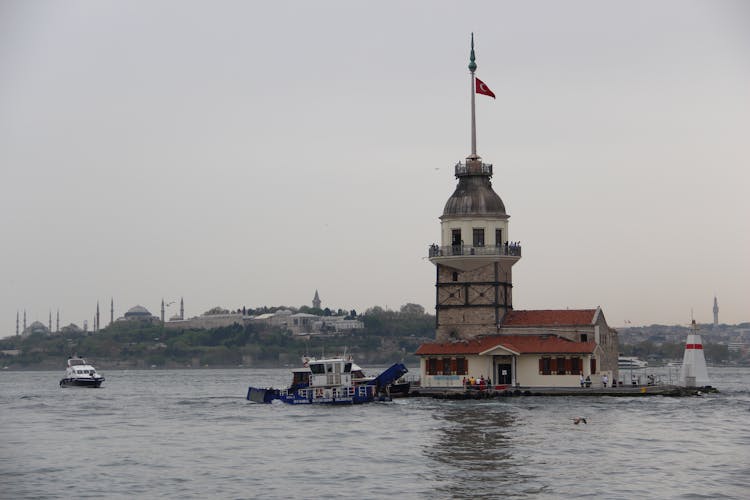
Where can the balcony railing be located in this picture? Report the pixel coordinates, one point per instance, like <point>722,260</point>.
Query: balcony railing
<point>508,249</point>
<point>473,167</point>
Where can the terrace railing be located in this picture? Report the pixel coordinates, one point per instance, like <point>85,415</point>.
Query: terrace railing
<point>477,167</point>
<point>513,250</point>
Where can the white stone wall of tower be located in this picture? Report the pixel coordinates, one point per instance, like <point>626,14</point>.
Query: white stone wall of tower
<point>467,226</point>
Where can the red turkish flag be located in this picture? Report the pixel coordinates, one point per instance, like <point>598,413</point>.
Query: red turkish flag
<point>482,88</point>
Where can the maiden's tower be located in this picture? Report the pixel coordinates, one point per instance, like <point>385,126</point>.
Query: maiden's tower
<point>478,332</point>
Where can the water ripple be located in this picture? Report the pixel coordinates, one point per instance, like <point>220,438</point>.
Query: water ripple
<point>194,436</point>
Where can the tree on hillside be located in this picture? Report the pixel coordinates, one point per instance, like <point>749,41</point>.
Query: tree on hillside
<point>410,309</point>
<point>216,310</point>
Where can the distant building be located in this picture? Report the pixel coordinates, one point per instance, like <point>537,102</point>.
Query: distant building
<point>139,313</point>
<point>316,301</point>
<point>206,321</point>
<point>213,318</point>
<point>716,313</point>
<point>303,323</point>
<point>295,323</point>
<point>71,328</point>
<point>35,327</point>
<point>737,346</point>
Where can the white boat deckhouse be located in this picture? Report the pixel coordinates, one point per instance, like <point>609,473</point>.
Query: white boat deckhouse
<point>478,331</point>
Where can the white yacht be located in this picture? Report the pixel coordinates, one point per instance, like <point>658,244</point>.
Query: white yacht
<point>81,374</point>
<point>630,363</point>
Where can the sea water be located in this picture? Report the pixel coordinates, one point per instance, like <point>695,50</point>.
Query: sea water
<point>192,434</point>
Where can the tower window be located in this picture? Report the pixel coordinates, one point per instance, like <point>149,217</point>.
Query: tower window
<point>498,237</point>
<point>478,237</point>
<point>455,276</point>
<point>456,237</point>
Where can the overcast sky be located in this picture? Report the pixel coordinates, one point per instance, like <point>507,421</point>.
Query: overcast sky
<point>249,153</point>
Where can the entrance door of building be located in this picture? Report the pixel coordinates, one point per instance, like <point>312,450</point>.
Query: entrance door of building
<point>504,375</point>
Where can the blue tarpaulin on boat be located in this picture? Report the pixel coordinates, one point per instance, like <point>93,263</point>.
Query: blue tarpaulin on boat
<point>390,375</point>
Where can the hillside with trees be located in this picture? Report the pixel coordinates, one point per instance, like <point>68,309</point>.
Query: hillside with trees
<point>388,336</point>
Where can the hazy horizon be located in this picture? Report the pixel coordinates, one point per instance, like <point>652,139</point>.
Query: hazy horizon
<point>246,154</point>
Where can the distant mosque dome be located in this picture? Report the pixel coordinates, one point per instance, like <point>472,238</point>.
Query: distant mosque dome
<point>138,312</point>
<point>71,328</point>
<point>474,196</point>
<point>36,327</point>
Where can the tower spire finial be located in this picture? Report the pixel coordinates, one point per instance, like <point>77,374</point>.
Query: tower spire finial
<point>472,58</point>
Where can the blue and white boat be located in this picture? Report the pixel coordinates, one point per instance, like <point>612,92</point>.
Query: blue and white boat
<point>331,381</point>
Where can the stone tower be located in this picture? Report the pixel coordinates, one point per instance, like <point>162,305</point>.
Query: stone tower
<point>716,313</point>
<point>182,309</point>
<point>316,301</point>
<point>474,259</point>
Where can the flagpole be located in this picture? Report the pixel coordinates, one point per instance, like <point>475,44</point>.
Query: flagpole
<point>472,68</point>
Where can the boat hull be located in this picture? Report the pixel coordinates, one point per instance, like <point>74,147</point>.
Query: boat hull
<point>81,382</point>
<point>360,395</point>
<point>401,390</point>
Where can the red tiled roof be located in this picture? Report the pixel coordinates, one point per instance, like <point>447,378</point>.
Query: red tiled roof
<point>522,344</point>
<point>549,317</point>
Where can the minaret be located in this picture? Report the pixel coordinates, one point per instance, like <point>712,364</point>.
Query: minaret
<point>17,332</point>
<point>24,320</point>
<point>96,325</point>
<point>316,301</point>
<point>716,313</point>
<point>111,310</point>
<point>162,311</point>
<point>50,321</point>
<point>182,309</point>
<point>57,325</point>
<point>474,259</point>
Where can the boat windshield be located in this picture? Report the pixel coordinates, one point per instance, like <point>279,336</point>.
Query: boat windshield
<point>76,362</point>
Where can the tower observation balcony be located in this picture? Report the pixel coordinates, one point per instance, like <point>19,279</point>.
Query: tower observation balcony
<point>473,167</point>
<point>506,250</point>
